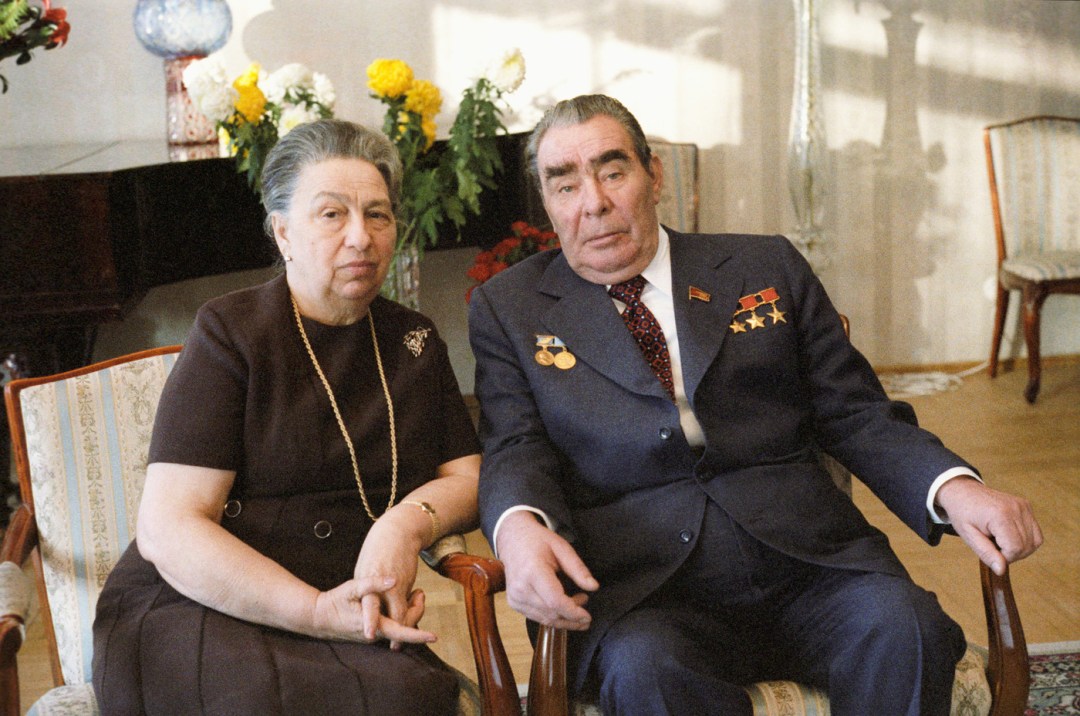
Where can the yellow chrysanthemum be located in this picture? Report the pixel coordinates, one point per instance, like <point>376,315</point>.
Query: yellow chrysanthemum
<point>403,120</point>
<point>424,98</point>
<point>389,78</point>
<point>250,78</point>
<point>428,126</point>
<point>225,142</point>
<point>251,102</point>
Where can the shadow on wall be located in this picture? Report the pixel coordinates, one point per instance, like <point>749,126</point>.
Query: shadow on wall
<point>903,192</point>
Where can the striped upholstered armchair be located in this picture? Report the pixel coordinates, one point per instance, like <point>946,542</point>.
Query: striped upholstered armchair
<point>80,441</point>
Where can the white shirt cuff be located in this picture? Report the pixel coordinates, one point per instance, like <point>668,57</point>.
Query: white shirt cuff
<point>936,485</point>
<point>517,508</point>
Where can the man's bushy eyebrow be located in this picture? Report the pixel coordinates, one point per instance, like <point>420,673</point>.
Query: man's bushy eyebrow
<point>561,170</point>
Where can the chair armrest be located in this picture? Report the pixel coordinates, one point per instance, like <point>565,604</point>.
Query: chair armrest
<point>450,544</point>
<point>20,538</point>
<point>548,695</point>
<point>1007,670</point>
<point>481,578</point>
<point>16,595</point>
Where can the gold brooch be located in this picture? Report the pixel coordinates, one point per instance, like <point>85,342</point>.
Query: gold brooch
<point>749,304</point>
<point>414,340</point>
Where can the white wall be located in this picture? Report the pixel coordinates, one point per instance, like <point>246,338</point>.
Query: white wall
<point>908,209</point>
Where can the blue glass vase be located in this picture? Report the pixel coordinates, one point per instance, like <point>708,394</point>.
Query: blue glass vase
<point>181,28</point>
<point>182,31</point>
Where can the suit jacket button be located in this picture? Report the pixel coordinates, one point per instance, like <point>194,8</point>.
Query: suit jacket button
<point>665,433</point>
<point>323,529</point>
<point>685,536</point>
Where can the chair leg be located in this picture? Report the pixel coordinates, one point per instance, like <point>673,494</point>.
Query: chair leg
<point>1001,307</point>
<point>1034,296</point>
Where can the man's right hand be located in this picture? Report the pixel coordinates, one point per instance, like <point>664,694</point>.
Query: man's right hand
<point>534,556</point>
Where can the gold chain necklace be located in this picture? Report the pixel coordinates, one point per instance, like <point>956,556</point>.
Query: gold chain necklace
<point>341,423</point>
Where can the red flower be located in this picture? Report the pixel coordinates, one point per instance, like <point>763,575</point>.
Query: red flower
<point>506,246</point>
<point>58,17</point>
<point>526,241</point>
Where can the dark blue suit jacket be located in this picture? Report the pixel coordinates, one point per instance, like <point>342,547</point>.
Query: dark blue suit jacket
<point>600,450</point>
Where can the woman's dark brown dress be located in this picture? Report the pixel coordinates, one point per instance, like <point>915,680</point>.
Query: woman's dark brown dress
<point>244,396</point>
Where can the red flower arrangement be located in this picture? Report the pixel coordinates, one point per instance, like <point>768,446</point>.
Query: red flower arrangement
<point>526,241</point>
<point>24,27</point>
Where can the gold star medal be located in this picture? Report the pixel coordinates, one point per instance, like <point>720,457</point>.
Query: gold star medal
<point>755,321</point>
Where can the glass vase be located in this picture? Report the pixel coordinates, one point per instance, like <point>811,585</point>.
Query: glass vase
<point>184,123</point>
<point>402,283</point>
<point>180,28</point>
<point>182,31</point>
<point>807,153</point>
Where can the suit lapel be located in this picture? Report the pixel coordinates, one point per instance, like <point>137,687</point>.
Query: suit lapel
<point>702,325</point>
<point>588,323</point>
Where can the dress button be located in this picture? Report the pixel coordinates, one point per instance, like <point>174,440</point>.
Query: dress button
<point>323,529</point>
<point>233,508</point>
<point>685,536</point>
<point>665,433</point>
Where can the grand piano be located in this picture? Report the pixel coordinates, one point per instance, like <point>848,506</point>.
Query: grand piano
<point>87,230</point>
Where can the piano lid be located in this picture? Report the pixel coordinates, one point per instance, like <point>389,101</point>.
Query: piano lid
<point>86,230</point>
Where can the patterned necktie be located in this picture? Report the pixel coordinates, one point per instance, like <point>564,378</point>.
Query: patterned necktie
<point>646,330</point>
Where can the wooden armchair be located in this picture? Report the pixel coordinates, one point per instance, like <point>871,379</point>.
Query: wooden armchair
<point>80,440</point>
<point>991,681</point>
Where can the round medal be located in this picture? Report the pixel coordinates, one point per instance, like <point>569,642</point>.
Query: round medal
<point>565,360</point>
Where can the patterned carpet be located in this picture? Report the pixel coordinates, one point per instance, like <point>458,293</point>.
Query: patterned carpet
<point>1055,679</point>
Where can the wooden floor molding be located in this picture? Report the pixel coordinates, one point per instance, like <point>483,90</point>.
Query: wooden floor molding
<point>1005,365</point>
<point>1033,450</point>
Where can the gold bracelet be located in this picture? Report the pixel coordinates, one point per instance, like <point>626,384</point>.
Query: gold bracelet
<point>430,511</point>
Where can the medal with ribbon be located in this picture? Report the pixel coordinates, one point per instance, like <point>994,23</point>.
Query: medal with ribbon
<point>749,304</point>
<point>564,359</point>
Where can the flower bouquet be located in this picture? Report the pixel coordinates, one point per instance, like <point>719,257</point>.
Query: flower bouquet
<point>442,187</point>
<point>24,27</point>
<point>526,241</point>
<point>253,111</point>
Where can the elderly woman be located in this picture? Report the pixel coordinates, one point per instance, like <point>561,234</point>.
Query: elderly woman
<point>310,442</point>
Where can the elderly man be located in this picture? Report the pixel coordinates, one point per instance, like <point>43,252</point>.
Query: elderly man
<point>657,490</point>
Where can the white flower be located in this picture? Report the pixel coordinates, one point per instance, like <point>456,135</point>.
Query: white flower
<point>509,72</point>
<point>324,90</point>
<point>204,76</point>
<point>218,103</point>
<point>293,116</point>
<point>292,75</point>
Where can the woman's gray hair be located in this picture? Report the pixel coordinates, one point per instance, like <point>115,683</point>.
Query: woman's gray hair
<point>318,141</point>
<point>581,109</point>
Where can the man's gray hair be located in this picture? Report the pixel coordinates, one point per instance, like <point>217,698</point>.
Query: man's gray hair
<point>581,109</point>
<point>318,141</point>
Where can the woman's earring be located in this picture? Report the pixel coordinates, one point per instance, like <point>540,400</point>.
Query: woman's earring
<point>287,257</point>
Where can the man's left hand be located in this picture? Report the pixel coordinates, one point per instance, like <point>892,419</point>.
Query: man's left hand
<point>999,527</point>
